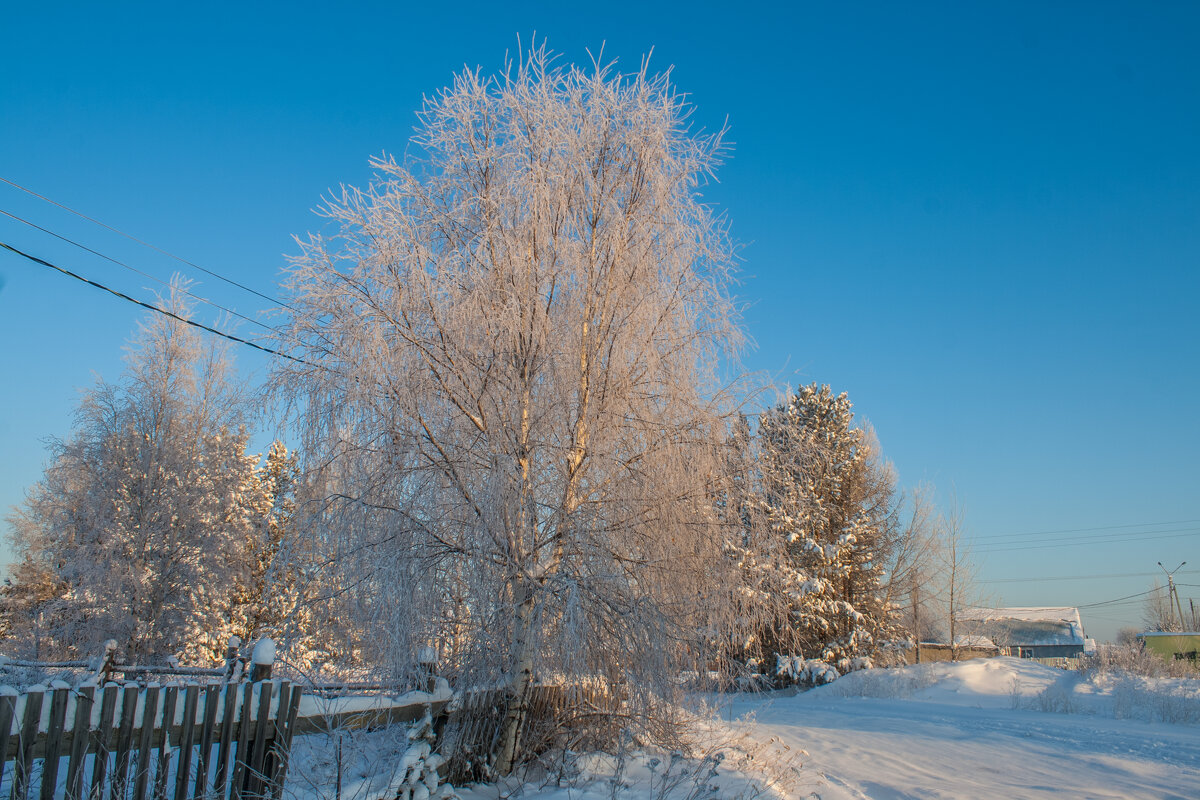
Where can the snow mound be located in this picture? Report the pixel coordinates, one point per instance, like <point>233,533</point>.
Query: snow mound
<point>981,682</point>
<point>1017,683</point>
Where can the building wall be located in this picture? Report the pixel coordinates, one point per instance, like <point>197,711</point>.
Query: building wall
<point>1173,646</point>
<point>1047,650</point>
<point>931,653</point>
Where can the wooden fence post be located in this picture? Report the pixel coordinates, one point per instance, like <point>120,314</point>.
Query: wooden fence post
<point>108,662</point>
<point>231,656</point>
<point>427,667</point>
<point>263,658</point>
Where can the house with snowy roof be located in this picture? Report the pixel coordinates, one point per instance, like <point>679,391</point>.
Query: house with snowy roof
<point>1030,632</point>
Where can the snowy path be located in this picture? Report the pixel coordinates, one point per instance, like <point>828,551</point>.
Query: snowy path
<point>895,749</point>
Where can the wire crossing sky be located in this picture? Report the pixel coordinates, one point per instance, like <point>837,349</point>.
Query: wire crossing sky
<point>981,220</point>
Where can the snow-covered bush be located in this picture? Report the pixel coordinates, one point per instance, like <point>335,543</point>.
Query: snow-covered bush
<point>392,763</point>
<point>416,776</point>
<point>1133,658</point>
<point>800,671</point>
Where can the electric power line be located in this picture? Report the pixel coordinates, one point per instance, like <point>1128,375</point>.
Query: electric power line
<point>1174,533</point>
<point>1117,600</point>
<point>81,215</point>
<point>1034,535</point>
<point>135,269</point>
<point>1083,577</point>
<point>135,301</point>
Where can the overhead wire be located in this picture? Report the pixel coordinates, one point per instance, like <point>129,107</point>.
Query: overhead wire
<point>144,243</point>
<point>156,309</point>
<point>1117,600</point>
<point>119,263</point>
<point>1174,533</point>
<point>1097,528</point>
<point>1081,577</point>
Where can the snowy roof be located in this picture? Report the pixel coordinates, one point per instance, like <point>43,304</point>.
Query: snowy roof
<point>1027,625</point>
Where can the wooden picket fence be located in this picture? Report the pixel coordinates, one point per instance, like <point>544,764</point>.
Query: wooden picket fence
<point>136,742</point>
<point>230,739</point>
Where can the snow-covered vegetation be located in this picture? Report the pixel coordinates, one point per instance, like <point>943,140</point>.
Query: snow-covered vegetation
<point>518,454</point>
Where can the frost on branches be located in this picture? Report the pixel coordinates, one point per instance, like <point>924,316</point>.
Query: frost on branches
<point>509,409</point>
<point>818,518</point>
<point>140,527</point>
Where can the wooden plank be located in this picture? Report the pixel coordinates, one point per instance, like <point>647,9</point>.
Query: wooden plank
<point>120,776</point>
<point>365,720</point>
<point>230,703</point>
<point>184,771</point>
<point>211,699</point>
<point>81,726</point>
<point>27,736</point>
<point>243,745</point>
<point>276,738</point>
<point>255,767</point>
<point>8,705</point>
<point>102,735</point>
<point>170,696</point>
<point>283,743</point>
<point>145,751</point>
<point>54,742</point>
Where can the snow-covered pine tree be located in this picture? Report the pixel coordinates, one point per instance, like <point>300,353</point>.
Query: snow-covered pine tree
<point>141,517</point>
<point>828,500</point>
<point>265,594</point>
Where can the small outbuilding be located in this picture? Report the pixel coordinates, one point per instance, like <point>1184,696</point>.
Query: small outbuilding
<point>1180,646</point>
<point>1030,631</point>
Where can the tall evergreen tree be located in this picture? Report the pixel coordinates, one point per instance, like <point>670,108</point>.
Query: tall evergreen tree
<point>827,502</point>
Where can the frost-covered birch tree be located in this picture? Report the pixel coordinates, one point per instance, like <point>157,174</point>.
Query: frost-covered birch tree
<point>508,392</point>
<point>140,518</point>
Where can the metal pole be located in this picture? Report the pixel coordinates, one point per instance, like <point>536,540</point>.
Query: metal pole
<point>1172,594</point>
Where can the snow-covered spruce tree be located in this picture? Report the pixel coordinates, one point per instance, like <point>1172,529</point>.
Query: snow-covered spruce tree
<point>507,393</point>
<point>266,595</point>
<point>827,502</point>
<point>140,518</point>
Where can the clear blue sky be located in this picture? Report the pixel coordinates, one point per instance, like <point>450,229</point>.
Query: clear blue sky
<point>980,220</point>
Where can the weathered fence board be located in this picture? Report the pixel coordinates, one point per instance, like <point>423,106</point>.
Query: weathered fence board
<point>211,700</point>
<point>54,741</point>
<point>142,741</point>
<point>25,741</point>
<point>186,738</point>
<point>84,701</point>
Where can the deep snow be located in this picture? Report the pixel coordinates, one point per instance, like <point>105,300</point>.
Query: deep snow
<point>976,729</point>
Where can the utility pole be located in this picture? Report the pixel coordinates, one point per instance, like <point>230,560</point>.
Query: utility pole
<point>1173,593</point>
<point>916,603</point>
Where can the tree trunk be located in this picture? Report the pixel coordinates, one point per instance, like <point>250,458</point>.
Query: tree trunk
<point>518,686</point>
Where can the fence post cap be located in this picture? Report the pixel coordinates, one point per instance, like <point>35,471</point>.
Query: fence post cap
<point>264,652</point>
<point>110,645</point>
<point>235,641</point>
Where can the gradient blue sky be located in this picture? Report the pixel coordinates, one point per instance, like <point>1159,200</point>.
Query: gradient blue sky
<point>981,220</point>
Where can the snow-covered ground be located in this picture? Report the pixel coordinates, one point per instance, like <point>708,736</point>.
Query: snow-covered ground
<point>976,729</point>
<point>996,728</point>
